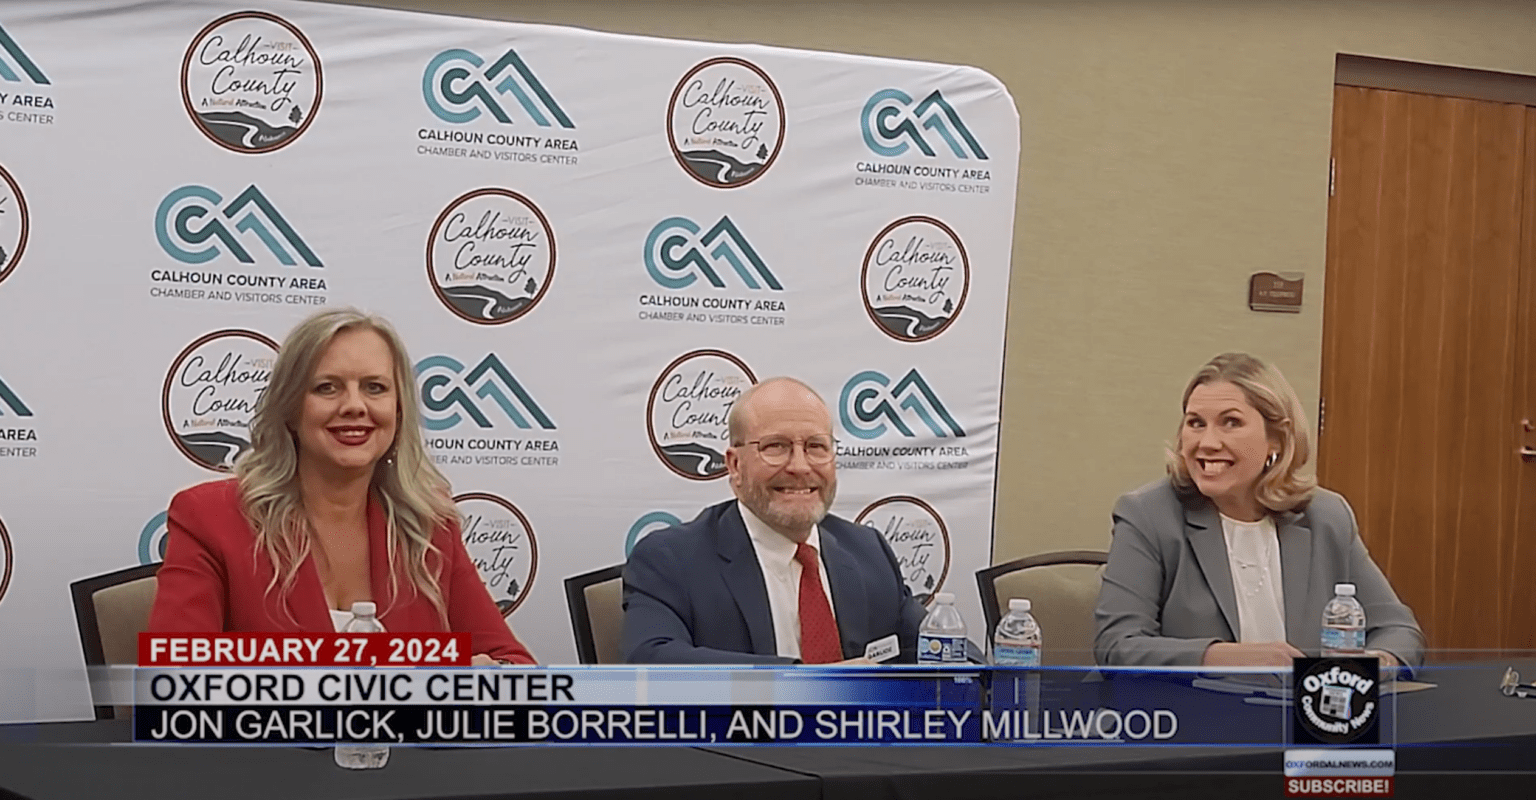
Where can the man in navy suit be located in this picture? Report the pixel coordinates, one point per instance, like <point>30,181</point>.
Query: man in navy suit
<point>770,577</point>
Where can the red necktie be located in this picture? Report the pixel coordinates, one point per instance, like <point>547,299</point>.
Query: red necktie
<point>818,630</point>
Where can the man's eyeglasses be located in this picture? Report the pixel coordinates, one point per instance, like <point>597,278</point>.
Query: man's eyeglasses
<point>819,450</point>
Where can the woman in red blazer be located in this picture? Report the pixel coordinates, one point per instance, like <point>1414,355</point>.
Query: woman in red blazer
<point>336,502</point>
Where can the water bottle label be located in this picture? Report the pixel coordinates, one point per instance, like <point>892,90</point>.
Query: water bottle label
<point>1343,640</point>
<point>1015,655</point>
<point>940,649</point>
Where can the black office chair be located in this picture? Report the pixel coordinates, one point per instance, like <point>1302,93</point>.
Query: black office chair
<point>1062,588</point>
<point>596,603</point>
<point>111,611</point>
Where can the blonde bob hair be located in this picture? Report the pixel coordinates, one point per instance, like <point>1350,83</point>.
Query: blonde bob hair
<point>1282,486</point>
<point>413,493</point>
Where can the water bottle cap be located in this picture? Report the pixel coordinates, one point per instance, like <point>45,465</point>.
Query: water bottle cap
<point>1346,589</point>
<point>1018,604</point>
<point>364,608</point>
<point>944,598</point>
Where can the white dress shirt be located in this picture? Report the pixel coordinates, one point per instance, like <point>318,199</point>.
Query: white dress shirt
<point>1253,553</point>
<point>781,574</point>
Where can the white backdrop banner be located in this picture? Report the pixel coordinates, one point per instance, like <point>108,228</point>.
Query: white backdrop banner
<point>591,244</point>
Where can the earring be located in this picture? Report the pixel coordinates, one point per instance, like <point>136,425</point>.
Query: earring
<point>1270,462</point>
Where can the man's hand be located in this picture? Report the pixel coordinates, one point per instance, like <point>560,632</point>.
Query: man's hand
<point>1250,654</point>
<point>482,660</point>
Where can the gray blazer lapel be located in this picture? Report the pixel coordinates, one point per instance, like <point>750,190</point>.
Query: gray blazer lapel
<point>744,579</point>
<point>849,600</point>
<point>1203,527</point>
<point>1295,575</point>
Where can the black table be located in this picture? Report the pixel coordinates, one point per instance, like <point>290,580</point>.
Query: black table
<point>93,760</point>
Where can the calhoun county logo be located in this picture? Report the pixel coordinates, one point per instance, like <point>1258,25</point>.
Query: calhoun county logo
<point>894,125</point>
<point>918,536</point>
<point>210,393</point>
<point>6,557</point>
<point>872,406</point>
<point>482,415</point>
<point>152,539</point>
<point>1336,700</point>
<point>726,122</point>
<point>251,82</point>
<point>195,226</point>
<point>16,440</point>
<point>869,402</point>
<point>713,269</point>
<point>685,415</point>
<point>491,256</point>
<point>14,224</point>
<point>916,277</point>
<point>24,104</point>
<point>648,523</point>
<point>459,89</point>
<point>501,543</point>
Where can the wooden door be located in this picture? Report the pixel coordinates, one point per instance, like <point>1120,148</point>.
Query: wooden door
<point>1426,354</point>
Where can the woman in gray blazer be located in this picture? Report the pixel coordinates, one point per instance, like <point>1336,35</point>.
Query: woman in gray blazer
<point>1230,559</point>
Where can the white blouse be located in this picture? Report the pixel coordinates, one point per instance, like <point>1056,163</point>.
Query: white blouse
<point>1253,553</point>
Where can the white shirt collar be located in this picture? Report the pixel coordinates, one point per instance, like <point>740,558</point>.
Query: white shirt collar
<point>772,543</point>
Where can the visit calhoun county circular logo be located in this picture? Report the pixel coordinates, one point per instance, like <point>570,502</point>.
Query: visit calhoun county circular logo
<point>152,539</point>
<point>501,544</point>
<point>686,413</point>
<point>6,557</point>
<point>726,122</point>
<point>491,256</point>
<point>14,224</point>
<point>210,393</point>
<point>916,277</point>
<point>251,82</point>
<point>918,536</point>
<point>1336,700</point>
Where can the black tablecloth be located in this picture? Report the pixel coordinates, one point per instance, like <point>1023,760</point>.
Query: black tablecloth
<point>92,760</point>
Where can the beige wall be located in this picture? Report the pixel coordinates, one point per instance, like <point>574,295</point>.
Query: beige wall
<point>1170,149</point>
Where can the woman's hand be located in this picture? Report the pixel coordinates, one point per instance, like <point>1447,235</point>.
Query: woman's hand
<point>482,660</point>
<point>1250,654</point>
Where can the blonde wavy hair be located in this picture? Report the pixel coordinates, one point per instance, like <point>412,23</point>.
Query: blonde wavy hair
<point>414,494</point>
<point>1282,486</point>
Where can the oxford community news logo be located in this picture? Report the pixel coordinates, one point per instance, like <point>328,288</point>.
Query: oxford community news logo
<point>210,392</point>
<point>875,409</point>
<point>501,544</point>
<point>686,413</point>
<point>924,145</point>
<point>251,82</point>
<point>499,109</point>
<point>196,226</point>
<point>18,439</point>
<point>726,122</point>
<point>482,415</point>
<point>916,277</point>
<point>1337,701</point>
<point>713,276</point>
<point>649,523</point>
<point>491,256</point>
<point>918,537</point>
<point>26,94</point>
<point>15,225</point>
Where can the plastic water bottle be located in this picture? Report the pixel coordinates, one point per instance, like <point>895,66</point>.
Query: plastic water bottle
<point>363,756</point>
<point>1343,623</point>
<point>1016,643</point>
<point>941,637</point>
